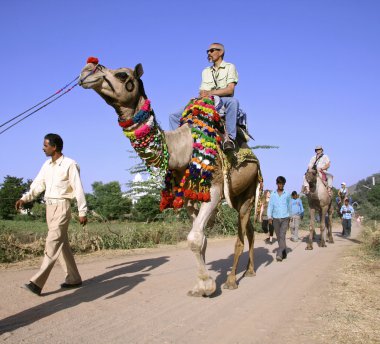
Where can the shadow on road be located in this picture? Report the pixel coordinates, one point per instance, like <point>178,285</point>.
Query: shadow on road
<point>262,256</point>
<point>116,282</point>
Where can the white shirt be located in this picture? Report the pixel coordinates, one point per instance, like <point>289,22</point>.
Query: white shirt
<point>217,78</point>
<point>60,180</point>
<point>321,163</point>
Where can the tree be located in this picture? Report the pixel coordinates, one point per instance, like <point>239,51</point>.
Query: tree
<point>146,208</point>
<point>108,201</point>
<point>10,191</point>
<point>367,196</point>
<point>139,187</point>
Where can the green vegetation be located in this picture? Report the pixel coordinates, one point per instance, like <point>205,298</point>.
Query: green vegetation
<point>116,223</point>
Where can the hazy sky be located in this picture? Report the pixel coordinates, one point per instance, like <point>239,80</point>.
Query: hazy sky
<point>308,75</point>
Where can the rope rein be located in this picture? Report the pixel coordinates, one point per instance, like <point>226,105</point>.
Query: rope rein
<point>45,103</point>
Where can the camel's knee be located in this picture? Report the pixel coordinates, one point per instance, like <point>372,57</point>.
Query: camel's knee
<point>239,247</point>
<point>196,241</point>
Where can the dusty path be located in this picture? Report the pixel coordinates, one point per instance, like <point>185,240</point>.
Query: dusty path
<point>141,298</point>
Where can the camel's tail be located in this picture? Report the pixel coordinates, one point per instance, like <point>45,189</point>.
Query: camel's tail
<point>257,198</point>
<point>227,188</point>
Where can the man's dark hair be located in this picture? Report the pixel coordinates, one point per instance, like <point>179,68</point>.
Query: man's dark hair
<point>294,193</point>
<point>55,141</point>
<point>280,180</point>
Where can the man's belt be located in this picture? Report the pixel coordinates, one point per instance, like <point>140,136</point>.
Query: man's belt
<point>51,201</point>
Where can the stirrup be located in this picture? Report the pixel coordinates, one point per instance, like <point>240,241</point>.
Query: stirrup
<point>228,146</point>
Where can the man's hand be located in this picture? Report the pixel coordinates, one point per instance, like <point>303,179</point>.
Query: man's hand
<point>19,204</point>
<point>270,221</point>
<point>83,220</point>
<point>203,93</point>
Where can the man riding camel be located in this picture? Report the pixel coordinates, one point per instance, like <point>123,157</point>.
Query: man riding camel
<point>343,192</point>
<point>319,162</point>
<point>218,80</point>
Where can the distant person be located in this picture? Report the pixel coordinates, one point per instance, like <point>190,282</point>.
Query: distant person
<point>347,211</point>
<point>295,216</point>
<point>219,80</point>
<point>59,178</point>
<point>343,192</point>
<point>263,218</point>
<point>320,163</point>
<point>278,215</point>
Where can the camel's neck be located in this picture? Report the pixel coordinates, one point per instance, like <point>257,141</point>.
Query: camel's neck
<point>147,138</point>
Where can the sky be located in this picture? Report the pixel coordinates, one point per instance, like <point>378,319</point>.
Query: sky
<point>309,74</point>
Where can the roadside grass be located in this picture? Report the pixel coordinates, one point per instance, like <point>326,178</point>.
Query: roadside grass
<point>24,238</point>
<point>20,240</point>
<point>355,316</point>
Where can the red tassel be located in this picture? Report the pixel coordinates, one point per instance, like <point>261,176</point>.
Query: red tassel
<point>178,203</point>
<point>93,60</point>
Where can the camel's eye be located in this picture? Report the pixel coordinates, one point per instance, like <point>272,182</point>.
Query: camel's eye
<point>122,76</point>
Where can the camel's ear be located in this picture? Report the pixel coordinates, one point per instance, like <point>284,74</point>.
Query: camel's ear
<point>139,71</point>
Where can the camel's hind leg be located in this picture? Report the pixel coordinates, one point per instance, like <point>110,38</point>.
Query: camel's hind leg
<point>311,230</point>
<point>244,207</point>
<point>329,228</point>
<point>322,242</point>
<point>205,285</point>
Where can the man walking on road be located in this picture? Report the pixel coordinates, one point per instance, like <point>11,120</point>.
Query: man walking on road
<point>295,215</point>
<point>278,214</point>
<point>347,211</point>
<point>59,178</point>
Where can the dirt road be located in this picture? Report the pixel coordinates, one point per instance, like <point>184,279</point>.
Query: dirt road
<point>141,298</point>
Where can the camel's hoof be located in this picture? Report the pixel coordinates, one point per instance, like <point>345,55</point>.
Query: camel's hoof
<point>331,241</point>
<point>308,247</point>
<point>249,274</point>
<point>231,282</point>
<point>195,293</point>
<point>230,286</point>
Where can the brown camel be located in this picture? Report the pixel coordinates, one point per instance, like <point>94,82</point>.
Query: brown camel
<point>320,201</point>
<point>123,90</point>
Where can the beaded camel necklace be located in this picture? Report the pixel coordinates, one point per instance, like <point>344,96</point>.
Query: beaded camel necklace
<point>147,139</point>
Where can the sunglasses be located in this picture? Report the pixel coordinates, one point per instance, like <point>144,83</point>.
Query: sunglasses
<point>212,50</point>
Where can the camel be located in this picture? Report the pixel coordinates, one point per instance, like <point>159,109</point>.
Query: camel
<point>123,90</point>
<point>319,200</point>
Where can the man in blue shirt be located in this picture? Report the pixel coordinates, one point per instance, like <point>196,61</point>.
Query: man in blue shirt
<point>296,213</point>
<point>278,215</point>
<point>347,211</point>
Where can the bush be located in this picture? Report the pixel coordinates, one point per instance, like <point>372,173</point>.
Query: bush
<point>371,238</point>
<point>146,209</point>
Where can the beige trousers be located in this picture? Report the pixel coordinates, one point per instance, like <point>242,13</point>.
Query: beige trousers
<point>57,245</point>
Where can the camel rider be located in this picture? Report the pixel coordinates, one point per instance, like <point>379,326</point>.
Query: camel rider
<point>343,192</point>
<point>218,80</point>
<point>320,162</point>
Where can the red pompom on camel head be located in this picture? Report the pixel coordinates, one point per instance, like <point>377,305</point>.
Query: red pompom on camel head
<point>93,60</point>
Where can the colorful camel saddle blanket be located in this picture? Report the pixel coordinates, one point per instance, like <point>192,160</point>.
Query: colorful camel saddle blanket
<point>204,122</point>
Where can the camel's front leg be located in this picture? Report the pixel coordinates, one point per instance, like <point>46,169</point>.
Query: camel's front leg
<point>311,230</point>
<point>205,285</point>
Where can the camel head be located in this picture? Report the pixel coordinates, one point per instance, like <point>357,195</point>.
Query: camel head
<point>120,88</point>
<point>311,177</point>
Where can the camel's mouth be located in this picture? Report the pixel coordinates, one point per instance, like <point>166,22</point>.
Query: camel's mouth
<point>89,83</point>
